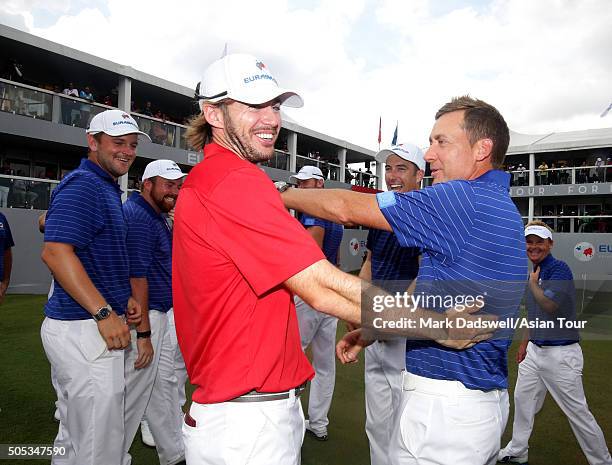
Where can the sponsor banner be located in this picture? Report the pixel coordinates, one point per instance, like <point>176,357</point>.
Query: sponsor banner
<point>564,189</point>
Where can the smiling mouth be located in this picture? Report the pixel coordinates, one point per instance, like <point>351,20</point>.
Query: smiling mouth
<point>265,136</point>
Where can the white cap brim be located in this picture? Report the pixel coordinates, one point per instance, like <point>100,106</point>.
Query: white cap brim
<point>539,231</point>
<point>304,177</point>
<point>120,133</point>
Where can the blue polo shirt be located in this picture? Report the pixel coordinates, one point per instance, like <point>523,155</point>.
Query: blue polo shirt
<point>557,281</point>
<point>393,266</point>
<point>6,240</point>
<point>149,245</point>
<point>85,211</point>
<point>332,238</point>
<point>472,239</point>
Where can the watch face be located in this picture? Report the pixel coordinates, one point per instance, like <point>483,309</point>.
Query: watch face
<point>104,313</point>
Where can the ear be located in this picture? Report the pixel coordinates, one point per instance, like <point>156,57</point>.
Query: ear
<point>483,149</point>
<point>320,183</point>
<point>92,143</point>
<point>213,115</point>
<point>420,174</point>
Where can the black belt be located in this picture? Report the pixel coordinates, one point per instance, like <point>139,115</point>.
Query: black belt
<point>556,345</point>
<point>255,396</point>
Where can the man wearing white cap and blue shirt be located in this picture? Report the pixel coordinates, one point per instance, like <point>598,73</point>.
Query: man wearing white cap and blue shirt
<point>317,329</point>
<point>85,329</point>
<point>152,387</point>
<point>391,267</point>
<point>550,360</point>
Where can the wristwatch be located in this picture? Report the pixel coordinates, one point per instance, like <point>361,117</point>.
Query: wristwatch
<point>102,313</point>
<point>282,186</point>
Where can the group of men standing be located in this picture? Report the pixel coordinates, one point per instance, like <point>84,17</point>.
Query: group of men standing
<point>111,266</point>
<point>252,287</point>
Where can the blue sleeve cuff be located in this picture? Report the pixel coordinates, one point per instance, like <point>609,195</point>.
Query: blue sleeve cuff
<point>385,199</point>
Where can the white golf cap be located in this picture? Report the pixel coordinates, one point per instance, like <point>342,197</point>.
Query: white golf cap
<point>539,231</point>
<point>408,152</point>
<point>166,169</point>
<point>307,172</point>
<point>114,123</point>
<point>243,78</point>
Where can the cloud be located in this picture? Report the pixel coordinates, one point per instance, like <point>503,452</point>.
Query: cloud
<point>544,64</point>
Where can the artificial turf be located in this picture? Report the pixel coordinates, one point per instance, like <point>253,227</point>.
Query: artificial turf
<point>27,400</point>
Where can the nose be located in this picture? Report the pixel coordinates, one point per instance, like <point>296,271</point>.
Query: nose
<point>429,154</point>
<point>270,115</point>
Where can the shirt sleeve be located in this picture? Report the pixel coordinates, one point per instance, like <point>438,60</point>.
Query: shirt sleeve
<point>438,219</point>
<point>310,221</point>
<point>257,233</point>
<point>8,238</point>
<point>140,246</point>
<point>75,213</point>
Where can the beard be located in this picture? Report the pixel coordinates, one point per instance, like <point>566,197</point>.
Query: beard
<point>240,141</point>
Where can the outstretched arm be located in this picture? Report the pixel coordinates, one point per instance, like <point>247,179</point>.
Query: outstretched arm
<point>337,205</point>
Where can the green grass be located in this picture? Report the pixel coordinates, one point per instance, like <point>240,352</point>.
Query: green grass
<point>27,400</point>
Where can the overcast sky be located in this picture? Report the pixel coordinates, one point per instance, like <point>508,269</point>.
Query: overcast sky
<point>545,64</point>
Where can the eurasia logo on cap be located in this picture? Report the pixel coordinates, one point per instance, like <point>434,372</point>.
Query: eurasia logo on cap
<point>243,78</point>
<point>166,169</point>
<point>115,123</point>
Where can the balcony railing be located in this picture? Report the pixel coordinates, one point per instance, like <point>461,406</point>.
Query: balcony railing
<point>563,175</point>
<point>23,192</point>
<point>577,223</point>
<point>25,100</point>
<point>280,160</point>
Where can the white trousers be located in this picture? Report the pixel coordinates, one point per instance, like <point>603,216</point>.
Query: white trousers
<point>318,331</point>
<point>384,363</point>
<point>443,422</point>
<point>153,391</point>
<point>557,370</point>
<point>245,433</point>
<point>90,384</point>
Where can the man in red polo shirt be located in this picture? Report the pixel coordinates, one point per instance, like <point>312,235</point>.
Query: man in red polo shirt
<point>238,257</point>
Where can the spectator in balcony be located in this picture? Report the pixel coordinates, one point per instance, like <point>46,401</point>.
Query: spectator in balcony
<point>599,170</point>
<point>85,94</point>
<point>582,173</point>
<point>71,90</point>
<point>68,105</point>
<point>564,174</point>
<point>608,171</point>
<point>367,176</point>
<point>522,174</point>
<point>107,101</point>
<point>543,173</point>
<point>553,176</point>
<point>147,110</point>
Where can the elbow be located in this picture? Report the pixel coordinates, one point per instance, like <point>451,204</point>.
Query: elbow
<point>340,209</point>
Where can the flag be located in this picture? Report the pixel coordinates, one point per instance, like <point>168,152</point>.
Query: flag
<point>394,141</point>
<point>605,112</point>
<point>379,129</point>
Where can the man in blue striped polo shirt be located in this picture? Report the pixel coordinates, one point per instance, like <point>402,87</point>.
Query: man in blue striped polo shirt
<point>393,268</point>
<point>152,388</point>
<point>470,234</point>
<point>85,328</point>
<point>550,359</point>
<point>6,262</point>
<point>318,330</point>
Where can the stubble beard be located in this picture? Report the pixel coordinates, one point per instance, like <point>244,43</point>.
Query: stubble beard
<point>241,143</point>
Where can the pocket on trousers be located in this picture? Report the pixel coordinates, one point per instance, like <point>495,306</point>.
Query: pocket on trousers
<point>91,343</point>
<point>414,423</point>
